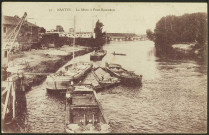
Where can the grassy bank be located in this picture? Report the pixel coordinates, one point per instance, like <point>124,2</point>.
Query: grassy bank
<point>42,61</point>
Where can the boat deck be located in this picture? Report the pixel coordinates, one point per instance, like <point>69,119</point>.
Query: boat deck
<point>102,75</point>
<point>91,80</point>
<point>83,100</point>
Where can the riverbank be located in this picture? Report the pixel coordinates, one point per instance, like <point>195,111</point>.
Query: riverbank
<point>184,48</point>
<point>191,49</point>
<point>44,61</point>
<point>183,51</point>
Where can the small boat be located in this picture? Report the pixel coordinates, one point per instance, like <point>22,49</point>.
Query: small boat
<point>126,77</point>
<point>84,112</point>
<point>123,54</point>
<point>98,55</point>
<point>104,78</point>
<point>73,72</point>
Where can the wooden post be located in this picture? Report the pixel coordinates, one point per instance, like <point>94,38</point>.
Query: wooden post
<point>13,98</point>
<point>21,83</point>
<point>67,113</point>
<point>7,57</point>
<point>84,120</point>
<point>6,102</point>
<point>93,120</point>
<point>74,38</point>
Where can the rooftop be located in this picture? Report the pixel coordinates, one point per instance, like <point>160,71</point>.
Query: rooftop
<point>10,20</point>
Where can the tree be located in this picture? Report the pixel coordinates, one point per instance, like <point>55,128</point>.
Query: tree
<point>150,34</point>
<point>180,29</point>
<point>99,35</point>
<point>42,30</point>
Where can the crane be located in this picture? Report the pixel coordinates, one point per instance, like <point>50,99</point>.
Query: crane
<point>11,38</point>
<point>8,94</point>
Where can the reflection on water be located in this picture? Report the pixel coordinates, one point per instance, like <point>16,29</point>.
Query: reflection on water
<point>173,97</point>
<point>139,57</point>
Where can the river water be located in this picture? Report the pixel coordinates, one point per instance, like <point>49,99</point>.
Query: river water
<point>172,98</point>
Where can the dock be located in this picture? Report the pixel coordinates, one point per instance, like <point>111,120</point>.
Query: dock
<point>12,92</point>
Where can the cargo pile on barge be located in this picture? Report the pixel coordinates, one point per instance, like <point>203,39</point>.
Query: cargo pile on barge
<point>126,77</point>
<point>73,72</point>
<point>104,78</point>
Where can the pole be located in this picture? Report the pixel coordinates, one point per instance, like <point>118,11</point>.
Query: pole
<point>31,36</point>
<point>74,40</point>
<point>7,55</point>
<point>13,98</point>
<point>6,101</point>
<point>93,25</point>
<point>67,121</point>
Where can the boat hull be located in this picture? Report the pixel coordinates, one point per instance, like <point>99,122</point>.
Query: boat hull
<point>62,82</point>
<point>105,82</point>
<point>92,57</point>
<point>123,54</point>
<point>58,83</point>
<point>98,56</point>
<point>84,112</point>
<point>131,81</point>
<point>81,76</point>
<point>126,80</point>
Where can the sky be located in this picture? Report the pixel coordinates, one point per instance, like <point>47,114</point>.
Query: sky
<point>117,17</point>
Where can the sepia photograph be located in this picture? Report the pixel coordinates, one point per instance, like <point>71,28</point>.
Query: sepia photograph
<point>104,67</point>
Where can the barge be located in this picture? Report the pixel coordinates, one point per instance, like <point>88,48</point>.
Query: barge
<point>126,77</point>
<point>98,55</point>
<point>84,112</point>
<point>74,72</point>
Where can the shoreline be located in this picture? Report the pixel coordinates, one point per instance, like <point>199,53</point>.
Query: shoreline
<point>183,50</point>
<point>43,61</point>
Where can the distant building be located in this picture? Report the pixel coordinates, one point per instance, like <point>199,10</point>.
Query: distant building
<point>77,35</point>
<point>123,37</point>
<point>28,34</point>
<point>59,28</point>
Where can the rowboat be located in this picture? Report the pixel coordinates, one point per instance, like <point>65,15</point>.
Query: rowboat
<point>84,112</point>
<point>126,77</point>
<point>104,78</point>
<point>98,55</point>
<point>74,72</point>
<point>123,54</point>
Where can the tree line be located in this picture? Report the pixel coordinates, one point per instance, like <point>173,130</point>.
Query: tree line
<point>180,29</point>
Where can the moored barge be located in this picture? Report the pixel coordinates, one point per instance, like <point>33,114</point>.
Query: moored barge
<point>126,77</point>
<point>84,112</point>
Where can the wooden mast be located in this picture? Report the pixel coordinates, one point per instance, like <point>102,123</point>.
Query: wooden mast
<point>74,40</point>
